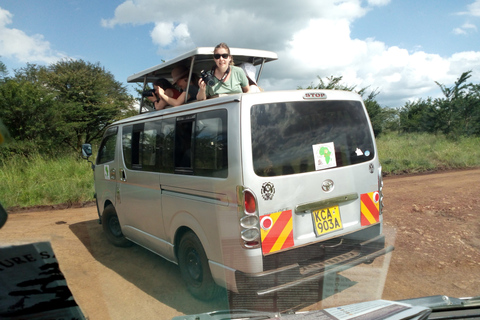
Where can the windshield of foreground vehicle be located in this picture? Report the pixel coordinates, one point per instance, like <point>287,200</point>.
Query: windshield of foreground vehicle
<point>283,135</point>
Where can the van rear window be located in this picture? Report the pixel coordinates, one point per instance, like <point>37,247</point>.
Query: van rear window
<point>297,137</point>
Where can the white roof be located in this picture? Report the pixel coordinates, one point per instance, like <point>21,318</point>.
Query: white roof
<point>202,58</point>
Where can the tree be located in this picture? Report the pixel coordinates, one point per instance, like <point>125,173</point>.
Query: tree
<point>456,114</point>
<point>3,71</point>
<point>67,103</point>
<point>89,99</point>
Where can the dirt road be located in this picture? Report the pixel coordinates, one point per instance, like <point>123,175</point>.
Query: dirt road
<point>431,219</point>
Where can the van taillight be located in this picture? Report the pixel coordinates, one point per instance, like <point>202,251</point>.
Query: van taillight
<point>248,218</point>
<point>249,202</point>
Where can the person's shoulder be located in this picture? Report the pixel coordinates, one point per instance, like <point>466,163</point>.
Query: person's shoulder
<point>237,69</point>
<point>240,74</point>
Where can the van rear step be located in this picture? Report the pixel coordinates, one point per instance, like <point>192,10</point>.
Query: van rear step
<point>320,275</point>
<point>296,274</point>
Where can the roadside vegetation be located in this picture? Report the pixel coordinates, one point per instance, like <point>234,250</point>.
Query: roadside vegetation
<point>48,112</point>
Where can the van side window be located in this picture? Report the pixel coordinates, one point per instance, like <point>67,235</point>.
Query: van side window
<point>106,152</point>
<point>166,145</point>
<point>211,144</point>
<point>184,130</point>
<point>195,144</point>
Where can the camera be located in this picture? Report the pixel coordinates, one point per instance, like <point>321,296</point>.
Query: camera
<point>207,78</point>
<point>148,93</point>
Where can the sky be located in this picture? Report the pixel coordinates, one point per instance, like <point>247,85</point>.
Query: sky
<point>400,48</point>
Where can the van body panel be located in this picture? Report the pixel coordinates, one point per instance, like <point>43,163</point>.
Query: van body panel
<point>105,173</point>
<point>273,142</point>
<point>104,188</point>
<point>140,194</point>
<point>208,204</point>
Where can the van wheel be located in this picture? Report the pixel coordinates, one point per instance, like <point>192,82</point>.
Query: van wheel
<point>194,268</point>
<point>112,229</point>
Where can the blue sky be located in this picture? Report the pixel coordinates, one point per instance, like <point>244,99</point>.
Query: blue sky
<point>398,47</point>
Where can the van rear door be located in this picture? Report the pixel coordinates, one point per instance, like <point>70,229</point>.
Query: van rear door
<point>311,163</point>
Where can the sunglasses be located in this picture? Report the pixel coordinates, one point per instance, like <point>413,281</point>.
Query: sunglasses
<point>218,55</point>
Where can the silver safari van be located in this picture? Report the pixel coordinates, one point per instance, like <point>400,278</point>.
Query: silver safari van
<point>254,192</point>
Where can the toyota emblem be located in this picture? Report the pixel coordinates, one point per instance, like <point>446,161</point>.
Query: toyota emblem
<point>327,185</point>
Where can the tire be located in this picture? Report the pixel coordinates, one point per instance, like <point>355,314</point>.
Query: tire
<point>112,229</point>
<point>3,216</point>
<point>194,268</point>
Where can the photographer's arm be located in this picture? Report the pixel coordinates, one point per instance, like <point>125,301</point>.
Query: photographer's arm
<point>173,102</point>
<point>201,95</point>
<point>160,104</point>
<point>165,99</point>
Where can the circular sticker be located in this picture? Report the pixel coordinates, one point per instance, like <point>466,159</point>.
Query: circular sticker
<point>268,191</point>
<point>376,196</point>
<point>266,223</point>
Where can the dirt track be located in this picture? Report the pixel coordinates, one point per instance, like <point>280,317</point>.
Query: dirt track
<point>431,219</point>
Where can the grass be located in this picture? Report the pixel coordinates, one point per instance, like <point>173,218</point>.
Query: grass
<point>415,153</point>
<point>39,180</point>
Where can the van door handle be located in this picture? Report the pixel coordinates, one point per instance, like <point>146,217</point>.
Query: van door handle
<point>123,175</point>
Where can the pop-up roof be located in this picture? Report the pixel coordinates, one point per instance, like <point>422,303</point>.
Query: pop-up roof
<point>201,58</point>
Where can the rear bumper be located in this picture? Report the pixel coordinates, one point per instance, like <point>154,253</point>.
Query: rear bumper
<point>336,258</point>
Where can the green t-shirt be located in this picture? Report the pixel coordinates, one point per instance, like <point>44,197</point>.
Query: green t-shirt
<point>234,84</point>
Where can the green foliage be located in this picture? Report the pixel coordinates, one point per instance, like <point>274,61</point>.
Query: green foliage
<point>455,115</point>
<point>28,111</point>
<point>3,71</point>
<point>61,106</point>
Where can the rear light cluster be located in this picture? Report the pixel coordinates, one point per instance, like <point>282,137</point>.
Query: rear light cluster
<point>248,216</point>
<point>380,189</point>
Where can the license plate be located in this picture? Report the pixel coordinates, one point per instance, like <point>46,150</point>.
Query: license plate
<point>327,220</point>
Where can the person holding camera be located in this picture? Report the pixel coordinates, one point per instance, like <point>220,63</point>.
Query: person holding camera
<point>180,79</point>
<point>166,88</point>
<point>224,78</point>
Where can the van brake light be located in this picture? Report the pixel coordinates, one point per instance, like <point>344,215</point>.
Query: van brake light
<point>249,202</point>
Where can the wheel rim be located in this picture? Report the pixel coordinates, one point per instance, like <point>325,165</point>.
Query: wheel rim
<point>114,226</point>
<point>194,266</point>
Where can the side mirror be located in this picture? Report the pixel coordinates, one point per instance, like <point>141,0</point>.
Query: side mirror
<point>86,150</point>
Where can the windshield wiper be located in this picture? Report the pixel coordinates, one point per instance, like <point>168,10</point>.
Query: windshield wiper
<point>434,307</point>
<point>444,307</point>
<point>231,315</point>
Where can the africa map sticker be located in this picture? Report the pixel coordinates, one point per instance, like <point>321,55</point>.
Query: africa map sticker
<point>106,172</point>
<point>324,155</point>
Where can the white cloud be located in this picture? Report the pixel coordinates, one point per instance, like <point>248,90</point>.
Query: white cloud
<point>474,8</point>
<point>378,2</point>
<point>18,45</point>
<point>398,74</point>
<point>465,29</point>
<point>311,37</point>
<point>459,31</point>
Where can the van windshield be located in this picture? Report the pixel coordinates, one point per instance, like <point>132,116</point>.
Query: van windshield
<point>297,137</point>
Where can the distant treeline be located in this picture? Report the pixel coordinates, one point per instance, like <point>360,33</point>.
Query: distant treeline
<point>455,115</point>
<point>53,109</point>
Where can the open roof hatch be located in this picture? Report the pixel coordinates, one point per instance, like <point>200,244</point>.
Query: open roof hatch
<point>199,59</point>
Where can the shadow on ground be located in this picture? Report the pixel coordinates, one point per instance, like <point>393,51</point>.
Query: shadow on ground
<point>161,279</point>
